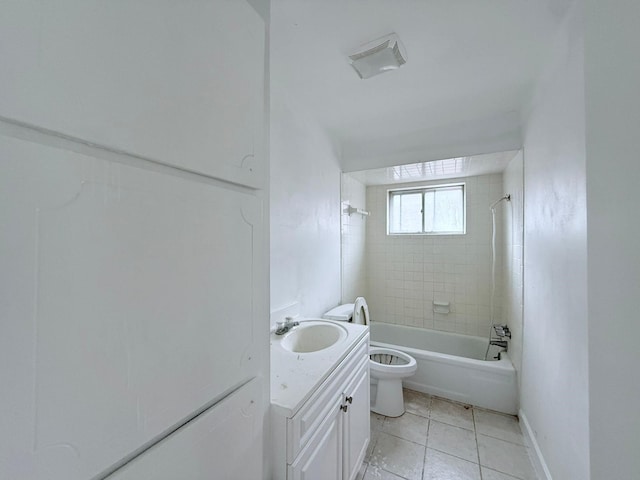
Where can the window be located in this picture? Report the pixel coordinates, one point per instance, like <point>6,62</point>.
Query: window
<point>438,210</point>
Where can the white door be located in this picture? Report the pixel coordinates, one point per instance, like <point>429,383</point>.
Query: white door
<point>177,82</point>
<point>356,421</point>
<point>224,442</point>
<point>321,459</point>
<point>130,299</point>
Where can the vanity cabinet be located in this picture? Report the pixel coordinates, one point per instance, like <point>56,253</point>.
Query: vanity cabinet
<point>327,437</point>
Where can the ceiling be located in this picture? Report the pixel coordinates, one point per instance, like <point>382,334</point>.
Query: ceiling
<point>458,167</point>
<point>470,70</point>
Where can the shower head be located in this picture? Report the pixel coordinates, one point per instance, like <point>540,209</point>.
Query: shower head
<point>506,197</point>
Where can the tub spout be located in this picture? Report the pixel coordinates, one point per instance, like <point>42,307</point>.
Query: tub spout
<point>500,343</point>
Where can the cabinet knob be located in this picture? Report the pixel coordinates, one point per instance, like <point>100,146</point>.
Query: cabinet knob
<point>349,399</point>
<point>344,408</point>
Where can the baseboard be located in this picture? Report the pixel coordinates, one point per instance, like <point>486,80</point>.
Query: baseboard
<point>536,455</point>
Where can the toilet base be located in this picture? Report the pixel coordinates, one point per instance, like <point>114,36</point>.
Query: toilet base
<point>389,400</point>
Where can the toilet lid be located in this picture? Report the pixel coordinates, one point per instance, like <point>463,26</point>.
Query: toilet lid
<point>341,313</point>
<point>361,312</point>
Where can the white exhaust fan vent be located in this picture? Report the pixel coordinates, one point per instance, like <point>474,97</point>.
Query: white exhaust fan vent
<point>379,56</point>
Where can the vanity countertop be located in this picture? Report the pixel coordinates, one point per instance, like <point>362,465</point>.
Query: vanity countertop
<point>295,376</point>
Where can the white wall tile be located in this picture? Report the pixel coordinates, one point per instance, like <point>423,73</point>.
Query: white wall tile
<point>413,271</point>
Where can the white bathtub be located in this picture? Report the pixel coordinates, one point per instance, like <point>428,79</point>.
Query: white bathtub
<point>453,366</point>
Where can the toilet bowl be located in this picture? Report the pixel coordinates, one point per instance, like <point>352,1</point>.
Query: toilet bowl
<point>387,367</point>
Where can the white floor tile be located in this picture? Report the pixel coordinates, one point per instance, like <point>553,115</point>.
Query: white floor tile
<point>504,427</point>
<point>377,473</point>
<point>451,413</point>
<point>488,474</point>
<point>456,441</point>
<point>505,457</point>
<point>417,403</point>
<point>397,452</point>
<point>409,426</point>
<point>398,456</point>
<point>440,466</point>
<point>377,421</point>
<point>372,444</point>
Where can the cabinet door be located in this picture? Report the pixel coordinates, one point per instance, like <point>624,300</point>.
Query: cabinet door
<point>178,82</point>
<point>356,421</point>
<point>322,457</point>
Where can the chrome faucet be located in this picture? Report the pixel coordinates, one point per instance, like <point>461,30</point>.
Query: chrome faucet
<point>500,343</point>
<point>284,327</point>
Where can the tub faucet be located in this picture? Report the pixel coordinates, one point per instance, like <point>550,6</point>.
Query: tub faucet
<point>500,343</point>
<point>284,327</point>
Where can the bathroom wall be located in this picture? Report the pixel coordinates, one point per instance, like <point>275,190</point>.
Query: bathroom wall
<point>513,240</point>
<point>554,383</point>
<point>354,229</point>
<point>406,273</point>
<point>612,75</point>
<point>305,210</point>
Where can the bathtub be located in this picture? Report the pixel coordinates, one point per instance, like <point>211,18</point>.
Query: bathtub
<point>453,366</point>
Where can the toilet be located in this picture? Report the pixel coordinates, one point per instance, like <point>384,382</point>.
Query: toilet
<point>387,366</point>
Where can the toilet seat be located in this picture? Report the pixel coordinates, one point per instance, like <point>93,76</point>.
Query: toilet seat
<point>391,361</point>
<point>357,312</point>
<point>360,312</point>
<point>388,367</point>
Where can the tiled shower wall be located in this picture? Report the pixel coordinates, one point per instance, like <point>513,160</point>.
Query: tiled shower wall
<point>353,240</point>
<point>406,273</point>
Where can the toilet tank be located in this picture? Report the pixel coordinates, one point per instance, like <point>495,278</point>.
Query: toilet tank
<point>341,313</point>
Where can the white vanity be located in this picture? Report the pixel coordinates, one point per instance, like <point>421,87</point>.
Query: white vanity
<point>319,400</point>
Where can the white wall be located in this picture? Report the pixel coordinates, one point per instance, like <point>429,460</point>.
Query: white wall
<point>305,211</point>
<point>554,391</point>
<point>406,273</point>
<point>354,230</point>
<point>612,74</point>
<point>513,277</point>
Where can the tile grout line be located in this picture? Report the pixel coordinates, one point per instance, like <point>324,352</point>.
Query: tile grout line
<point>503,440</point>
<point>455,426</point>
<point>475,433</point>
<point>426,441</point>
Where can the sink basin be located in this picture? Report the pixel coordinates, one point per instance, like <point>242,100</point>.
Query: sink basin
<point>313,337</point>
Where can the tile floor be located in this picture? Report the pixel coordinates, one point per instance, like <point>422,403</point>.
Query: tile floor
<point>437,439</point>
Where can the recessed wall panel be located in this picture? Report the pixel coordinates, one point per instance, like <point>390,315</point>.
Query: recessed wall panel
<point>134,305</point>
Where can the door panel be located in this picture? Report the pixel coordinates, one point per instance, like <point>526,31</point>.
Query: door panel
<point>224,442</point>
<point>357,429</point>
<point>130,299</point>
<point>180,83</point>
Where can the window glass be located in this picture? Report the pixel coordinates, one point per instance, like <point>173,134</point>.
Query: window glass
<point>406,213</point>
<point>427,210</point>
<point>448,212</point>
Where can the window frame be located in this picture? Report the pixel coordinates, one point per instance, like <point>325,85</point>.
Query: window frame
<point>422,189</point>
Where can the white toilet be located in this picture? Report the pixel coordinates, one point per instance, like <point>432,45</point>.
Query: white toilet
<point>387,366</point>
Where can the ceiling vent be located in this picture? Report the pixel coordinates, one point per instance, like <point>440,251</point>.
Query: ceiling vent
<point>379,56</point>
